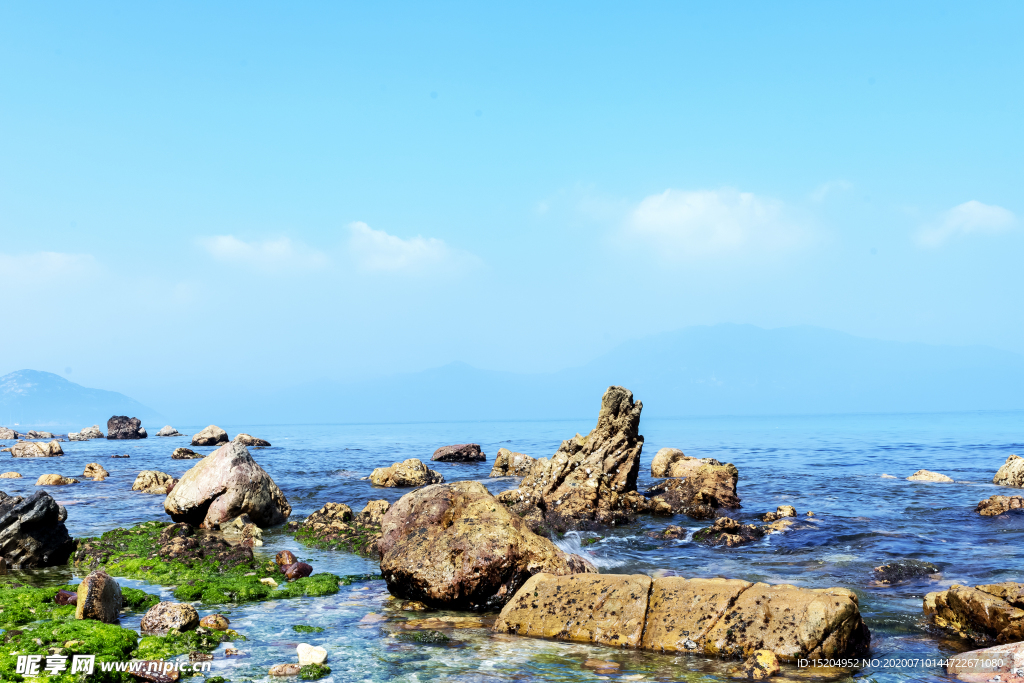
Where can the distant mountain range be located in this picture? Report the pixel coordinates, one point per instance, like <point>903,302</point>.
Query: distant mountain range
<point>31,398</point>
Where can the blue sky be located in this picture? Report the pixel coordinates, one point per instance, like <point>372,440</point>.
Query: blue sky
<point>253,194</point>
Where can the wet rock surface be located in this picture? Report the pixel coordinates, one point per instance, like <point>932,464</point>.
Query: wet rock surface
<point>409,473</point>
<point>334,526</point>
<point>700,495</point>
<point>99,598</point>
<point>32,531</point>
<point>904,570</point>
<point>456,545</point>
<point>124,427</point>
<point>729,532</point>
<point>983,614</point>
<point>998,505</point>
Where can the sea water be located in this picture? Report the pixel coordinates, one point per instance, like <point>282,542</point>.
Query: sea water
<point>831,465</point>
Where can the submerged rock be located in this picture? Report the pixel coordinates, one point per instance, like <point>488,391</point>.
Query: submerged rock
<point>455,545</point>
<point>152,481</point>
<point>32,531</point>
<point>224,485</point>
<point>32,449</point>
<point>99,598</point>
<point>706,490</point>
<point>997,505</point>
<point>124,427</point>
<point>463,452</point>
<point>983,614</point>
<point>586,480</point>
<point>1011,473</point>
<point>168,430</point>
<point>672,462</point>
<point>95,471</point>
<point>164,616</point>
<point>509,464</point>
<point>251,441</point>
<point>186,454</point>
<point>925,475</point>
<point>716,617</point>
<point>412,472</point>
<point>729,532</point>
<point>211,436</point>
<point>904,570</point>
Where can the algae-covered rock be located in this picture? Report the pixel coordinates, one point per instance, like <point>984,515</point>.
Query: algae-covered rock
<point>334,526</point>
<point>165,616</point>
<point>224,485</point>
<point>728,532</point>
<point>455,545</point>
<point>32,531</point>
<point>99,598</point>
<point>409,473</point>
<point>904,570</point>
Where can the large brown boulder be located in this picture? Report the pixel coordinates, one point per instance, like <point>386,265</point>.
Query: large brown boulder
<point>124,427</point>
<point>1011,473</point>
<point>412,472</point>
<point>997,505</point>
<point>99,598</point>
<point>456,546</point>
<point>211,436</point>
<point>33,449</point>
<point>702,493</point>
<point>584,482</point>
<point>224,485</point>
<point>463,452</point>
<point>719,617</point>
<point>984,614</point>
<point>32,531</point>
<point>152,481</point>
<point>510,464</point>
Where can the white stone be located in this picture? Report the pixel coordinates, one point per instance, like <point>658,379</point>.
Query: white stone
<point>310,654</point>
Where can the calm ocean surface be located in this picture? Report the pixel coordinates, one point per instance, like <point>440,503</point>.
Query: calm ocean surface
<point>831,465</point>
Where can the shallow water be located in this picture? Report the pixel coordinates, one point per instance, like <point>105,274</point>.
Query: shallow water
<point>831,465</point>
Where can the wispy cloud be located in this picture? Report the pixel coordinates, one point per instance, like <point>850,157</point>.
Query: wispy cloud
<point>49,266</point>
<point>831,187</point>
<point>965,219</point>
<point>376,250</point>
<point>701,223</point>
<point>275,255</point>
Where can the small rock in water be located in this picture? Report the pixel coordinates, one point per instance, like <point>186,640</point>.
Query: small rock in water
<point>728,532</point>
<point>284,670</point>
<point>10,475</point>
<point>760,665</point>
<point>168,430</point>
<point>904,570</point>
<point>186,454</point>
<point>55,480</point>
<point>121,456</point>
<point>465,452</point>
<point>215,622</point>
<point>311,654</point>
<point>285,558</point>
<point>413,606</point>
<point>888,476</point>
<point>211,436</point>
<point>601,665</point>
<point>997,505</point>
<point>925,475</point>
<point>251,441</point>
<point>164,616</point>
<point>297,570</point>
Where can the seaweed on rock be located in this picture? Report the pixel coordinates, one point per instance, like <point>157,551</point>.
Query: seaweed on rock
<point>312,672</point>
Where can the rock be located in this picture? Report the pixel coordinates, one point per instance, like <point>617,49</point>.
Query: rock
<point>310,654</point>
<point>672,462</point>
<point>463,452</point>
<point>268,581</point>
<point>243,531</point>
<point>888,476</point>
<point>95,471</point>
<point>925,475</point>
<point>374,512</point>
<point>284,670</point>
<point>152,481</point>
<point>7,434</point>
<point>413,606</point>
<point>708,489</point>
<point>978,666</point>
<point>904,570</point>
<point>86,434</point>
<point>32,531</point>
<point>456,545</point>
<point>66,598</point>
<point>215,622</point>
<point>10,475</point>
<point>186,454</point>
<point>121,456</point>
<point>983,614</point>
<point>32,449</point>
<point>285,558</point>
<point>584,482</point>
<point>601,666</point>
<point>334,526</point>
<point>509,464</point>
<point>99,598</point>
<point>163,616</point>
<point>996,505</point>
<point>54,480</point>
<point>33,434</point>
<point>211,436</point>
<point>762,664</point>
<point>251,441</point>
<point>412,472</point>
<point>224,485</point>
<point>1011,473</point>
<point>716,617</point>
<point>728,532</point>
<point>297,571</point>
<point>168,430</point>
<point>123,427</point>
<point>785,511</point>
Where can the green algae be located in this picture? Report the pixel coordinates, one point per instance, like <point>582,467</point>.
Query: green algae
<point>24,604</point>
<point>302,628</point>
<point>356,538</point>
<point>216,679</point>
<point>108,642</point>
<point>179,643</point>
<point>312,672</point>
<point>422,637</point>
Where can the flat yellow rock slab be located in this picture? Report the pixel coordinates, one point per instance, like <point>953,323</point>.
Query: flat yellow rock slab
<point>682,611</point>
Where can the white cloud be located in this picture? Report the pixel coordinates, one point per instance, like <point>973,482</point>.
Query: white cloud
<point>276,255</point>
<point>832,186</point>
<point>379,251</point>
<point>48,266</point>
<point>692,224</point>
<point>965,219</point>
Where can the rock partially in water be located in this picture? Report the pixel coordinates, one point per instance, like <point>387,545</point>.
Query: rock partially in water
<point>86,434</point>
<point>33,434</point>
<point>710,488</point>
<point>32,531</point>
<point>168,430</point>
<point>983,614</point>
<point>153,481</point>
<point>781,512</point>
<point>215,622</point>
<point>33,449</point>
<point>925,475</point>
<point>729,532</point>
<point>10,475</point>
<point>224,485</point>
<point>251,441</point>
<point>124,427</point>
<point>297,570</point>
<point>998,664</point>
<point>290,669</point>
<point>761,665</point>
<point>584,482</point>
<point>6,434</point>
<point>373,512</point>
<point>165,616</point>
<point>95,471</point>
<point>1011,473</point>
<point>716,617</point>
<point>334,526</point>
<point>54,480</point>
<point>456,546</point>
<point>510,464</point>
<point>99,598</point>
<point>310,654</point>
<point>186,454</point>
<point>463,452</point>
<point>904,570</point>
<point>997,505</point>
<point>211,436</point>
<point>672,462</point>
<point>412,472</point>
